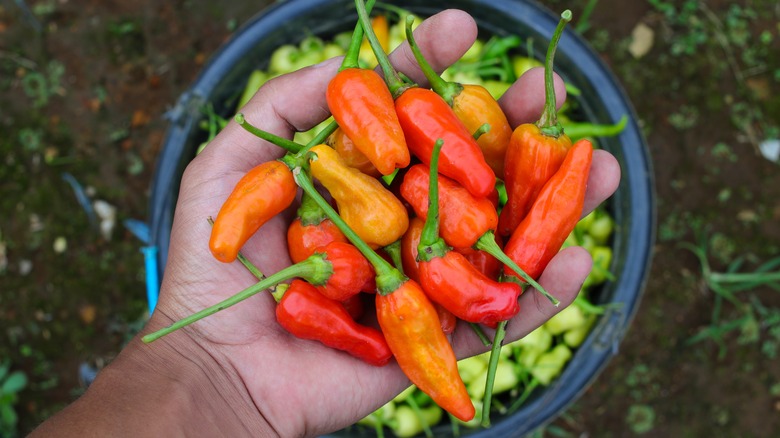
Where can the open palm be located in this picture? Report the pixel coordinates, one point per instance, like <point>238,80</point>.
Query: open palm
<point>271,379</point>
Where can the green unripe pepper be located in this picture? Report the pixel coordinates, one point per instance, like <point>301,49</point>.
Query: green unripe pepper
<point>601,228</point>
<point>569,318</point>
<point>576,336</point>
<point>472,54</point>
<point>283,59</point>
<point>602,259</point>
<point>255,81</point>
<point>404,394</point>
<point>550,364</point>
<point>496,88</point>
<point>506,379</point>
<point>521,64</point>
<point>381,416</point>
<point>470,368</point>
<point>332,50</point>
<point>409,423</point>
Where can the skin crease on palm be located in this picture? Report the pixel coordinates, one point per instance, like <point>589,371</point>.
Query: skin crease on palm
<point>272,382</point>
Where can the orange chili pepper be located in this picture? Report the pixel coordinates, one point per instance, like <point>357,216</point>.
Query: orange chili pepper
<point>554,214</point>
<point>310,230</point>
<point>351,155</point>
<point>474,106</point>
<point>371,210</point>
<point>261,194</point>
<point>535,151</point>
<point>362,105</point>
<point>413,331</point>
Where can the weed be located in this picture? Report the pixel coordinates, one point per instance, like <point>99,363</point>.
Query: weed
<point>40,86</point>
<point>641,418</point>
<point>727,286</point>
<point>11,383</point>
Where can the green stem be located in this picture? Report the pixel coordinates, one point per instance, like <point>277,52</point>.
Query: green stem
<point>283,143</point>
<point>394,82</point>
<point>388,278</point>
<point>447,90</point>
<point>321,136</point>
<point>582,130</point>
<point>548,123</point>
<point>488,244</point>
<point>418,412</point>
<point>430,231</point>
<point>394,251</point>
<point>254,270</point>
<point>524,396</point>
<point>311,268</point>
<point>353,51</point>
<point>495,353</point>
<point>480,333</point>
<point>482,130</point>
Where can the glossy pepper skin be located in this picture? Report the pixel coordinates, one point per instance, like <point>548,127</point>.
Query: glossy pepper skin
<point>463,218</point>
<point>459,287</point>
<point>413,332</point>
<point>372,211</point>
<point>310,230</point>
<point>553,215</point>
<point>265,191</point>
<point>426,117</point>
<point>531,160</point>
<point>475,106</point>
<point>351,155</point>
<point>351,271</point>
<point>409,243</point>
<point>484,262</point>
<point>307,314</point>
<point>363,107</point>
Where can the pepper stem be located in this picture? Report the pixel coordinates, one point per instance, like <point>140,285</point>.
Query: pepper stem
<point>447,90</point>
<point>495,353</point>
<point>394,251</point>
<point>487,243</point>
<point>283,143</point>
<point>388,278</point>
<point>482,130</point>
<point>548,123</point>
<point>353,51</point>
<point>394,82</point>
<point>310,269</point>
<point>321,136</point>
<point>430,231</point>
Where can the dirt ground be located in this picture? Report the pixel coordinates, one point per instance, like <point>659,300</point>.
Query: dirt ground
<point>85,87</point>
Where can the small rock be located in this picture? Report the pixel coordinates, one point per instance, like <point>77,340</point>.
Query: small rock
<point>642,38</point>
<point>770,149</point>
<point>60,245</point>
<point>25,266</point>
<point>107,214</point>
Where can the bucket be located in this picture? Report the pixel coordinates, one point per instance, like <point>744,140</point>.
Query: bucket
<point>602,100</point>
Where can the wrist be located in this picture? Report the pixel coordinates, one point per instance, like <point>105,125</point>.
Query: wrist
<point>172,387</point>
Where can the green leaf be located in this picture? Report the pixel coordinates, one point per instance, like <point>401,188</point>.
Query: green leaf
<point>15,383</point>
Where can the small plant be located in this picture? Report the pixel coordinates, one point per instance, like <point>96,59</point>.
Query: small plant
<point>727,287</point>
<point>11,383</point>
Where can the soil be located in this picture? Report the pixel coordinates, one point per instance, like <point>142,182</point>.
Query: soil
<point>85,88</point>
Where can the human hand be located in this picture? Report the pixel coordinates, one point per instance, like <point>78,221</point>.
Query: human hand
<point>269,379</point>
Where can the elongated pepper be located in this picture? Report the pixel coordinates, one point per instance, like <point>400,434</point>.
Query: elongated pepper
<point>535,151</point>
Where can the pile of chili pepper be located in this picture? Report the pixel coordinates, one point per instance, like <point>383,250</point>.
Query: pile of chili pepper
<point>443,212</point>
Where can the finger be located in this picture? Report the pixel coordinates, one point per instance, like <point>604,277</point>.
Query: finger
<point>603,180</point>
<point>443,38</point>
<point>524,101</point>
<point>285,104</point>
<point>563,278</point>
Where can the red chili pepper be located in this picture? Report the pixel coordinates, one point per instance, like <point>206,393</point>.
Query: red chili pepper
<point>450,280</point>
<point>535,151</point>
<point>351,271</point>
<point>463,218</point>
<point>474,106</point>
<point>484,262</point>
<point>363,106</point>
<point>261,194</point>
<point>425,117</point>
<point>413,332</point>
<point>310,230</point>
<point>409,243</point>
<point>554,214</point>
<point>307,314</point>
<point>354,306</point>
